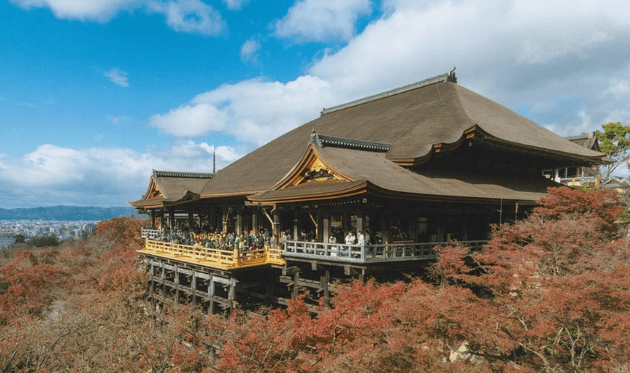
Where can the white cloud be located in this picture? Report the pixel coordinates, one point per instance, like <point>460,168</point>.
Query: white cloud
<point>253,111</point>
<point>53,175</point>
<point>192,16</point>
<point>95,10</point>
<point>320,20</point>
<point>235,4</point>
<point>249,51</point>
<point>551,62</point>
<point>118,77</point>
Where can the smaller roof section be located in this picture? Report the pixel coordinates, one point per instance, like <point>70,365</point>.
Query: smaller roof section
<point>586,140</point>
<point>336,172</point>
<point>172,187</point>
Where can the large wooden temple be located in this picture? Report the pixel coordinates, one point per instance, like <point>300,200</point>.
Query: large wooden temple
<point>412,168</point>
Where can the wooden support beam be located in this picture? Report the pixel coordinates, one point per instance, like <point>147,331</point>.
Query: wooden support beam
<point>232,294</point>
<point>211,297</point>
<point>176,281</point>
<point>325,280</point>
<point>163,276</point>
<point>287,271</point>
<point>193,288</point>
<point>152,281</point>
<point>295,291</point>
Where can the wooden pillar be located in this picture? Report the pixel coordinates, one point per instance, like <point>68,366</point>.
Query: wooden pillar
<point>152,288</point>
<point>276,222</point>
<point>412,216</point>
<point>385,225</point>
<point>255,220</point>
<point>464,224</point>
<point>359,215</point>
<point>176,280</point>
<point>232,294</point>
<point>296,224</point>
<point>193,288</point>
<point>162,222</point>
<point>324,280</point>
<point>171,219</point>
<point>295,291</point>
<point>239,220</point>
<point>247,221</point>
<point>211,295</point>
<point>191,221</point>
<point>320,229</point>
<point>163,281</point>
<point>346,222</point>
<point>152,215</point>
<point>326,226</point>
<point>440,228</point>
<point>271,285</point>
<point>213,219</point>
<point>224,219</point>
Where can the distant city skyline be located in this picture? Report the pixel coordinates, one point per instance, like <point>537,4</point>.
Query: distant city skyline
<point>38,228</point>
<point>96,94</point>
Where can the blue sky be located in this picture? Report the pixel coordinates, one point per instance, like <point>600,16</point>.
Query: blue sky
<point>95,94</point>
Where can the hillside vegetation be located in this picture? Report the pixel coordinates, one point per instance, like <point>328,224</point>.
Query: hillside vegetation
<point>548,294</point>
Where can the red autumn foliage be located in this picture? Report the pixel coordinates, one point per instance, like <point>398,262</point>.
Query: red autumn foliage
<point>550,293</point>
<point>559,282</point>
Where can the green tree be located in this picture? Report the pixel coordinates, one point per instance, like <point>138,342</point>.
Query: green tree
<point>614,140</point>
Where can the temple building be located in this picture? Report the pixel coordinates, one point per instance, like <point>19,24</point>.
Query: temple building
<point>411,168</point>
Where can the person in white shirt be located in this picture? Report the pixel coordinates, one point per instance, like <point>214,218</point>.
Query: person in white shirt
<point>349,238</point>
<point>361,239</point>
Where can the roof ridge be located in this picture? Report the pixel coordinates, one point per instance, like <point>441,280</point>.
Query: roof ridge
<point>582,136</point>
<point>189,175</point>
<point>448,77</point>
<point>344,142</point>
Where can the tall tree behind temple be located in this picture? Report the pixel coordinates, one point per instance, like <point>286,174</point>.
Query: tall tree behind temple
<point>614,140</point>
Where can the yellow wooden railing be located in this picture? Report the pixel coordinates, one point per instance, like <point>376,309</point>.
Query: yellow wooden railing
<point>212,257</point>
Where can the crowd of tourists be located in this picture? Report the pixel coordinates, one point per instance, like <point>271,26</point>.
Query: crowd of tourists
<point>221,241</point>
<point>253,241</point>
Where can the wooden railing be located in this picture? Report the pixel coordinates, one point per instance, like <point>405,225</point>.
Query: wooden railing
<point>212,257</point>
<point>369,253</point>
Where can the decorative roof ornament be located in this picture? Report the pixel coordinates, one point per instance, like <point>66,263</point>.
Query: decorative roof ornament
<point>448,77</point>
<point>451,76</point>
<point>343,142</point>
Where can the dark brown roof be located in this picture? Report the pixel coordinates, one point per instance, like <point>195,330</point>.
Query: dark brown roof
<point>170,187</point>
<point>373,172</point>
<point>413,122</point>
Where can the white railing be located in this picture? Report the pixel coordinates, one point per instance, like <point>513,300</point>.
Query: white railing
<point>369,253</point>
<point>150,233</point>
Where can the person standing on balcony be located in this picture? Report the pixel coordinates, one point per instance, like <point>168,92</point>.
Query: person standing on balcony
<point>361,239</point>
<point>349,238</point>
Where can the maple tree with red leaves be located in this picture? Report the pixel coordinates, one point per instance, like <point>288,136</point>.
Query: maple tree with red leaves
<point>550,293</point>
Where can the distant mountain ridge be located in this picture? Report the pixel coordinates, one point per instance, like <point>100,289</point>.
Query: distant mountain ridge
<point>65,213</point>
